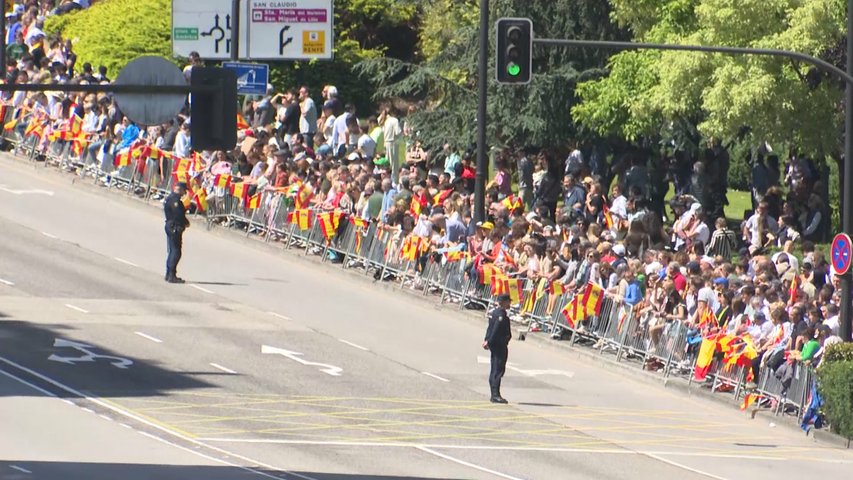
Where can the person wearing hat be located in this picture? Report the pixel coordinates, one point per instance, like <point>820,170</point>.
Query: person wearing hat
<point>498,335</point>
<point>176,223</point>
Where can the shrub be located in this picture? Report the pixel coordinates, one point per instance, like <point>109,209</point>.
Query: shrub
<point>115,32</point>
<point>835,382</point>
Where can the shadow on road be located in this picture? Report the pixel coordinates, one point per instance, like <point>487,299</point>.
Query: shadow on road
<point>49,357</point>
<point>111,471</point>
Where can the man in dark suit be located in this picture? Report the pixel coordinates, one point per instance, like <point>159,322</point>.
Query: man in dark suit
<point>497,338</point>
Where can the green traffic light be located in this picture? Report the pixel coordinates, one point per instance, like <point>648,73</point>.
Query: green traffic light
<point>513,69</point>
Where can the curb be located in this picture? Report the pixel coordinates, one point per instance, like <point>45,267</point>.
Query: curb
<point>626,369</point>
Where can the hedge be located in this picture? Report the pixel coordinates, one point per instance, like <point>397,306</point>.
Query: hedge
<point>835,383</point>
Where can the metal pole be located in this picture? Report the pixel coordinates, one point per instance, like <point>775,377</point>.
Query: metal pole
<point>483,82</point>
<point>3,43</point>
<point>847,200</point>
<point>235,30</point>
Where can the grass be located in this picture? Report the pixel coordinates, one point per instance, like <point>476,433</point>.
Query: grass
<point>739,202</point>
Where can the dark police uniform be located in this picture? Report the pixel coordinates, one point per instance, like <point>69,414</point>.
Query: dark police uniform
<point>176,223</point>
<point>497,338</point>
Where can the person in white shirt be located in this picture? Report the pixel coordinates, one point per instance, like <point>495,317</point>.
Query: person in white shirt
<point>619,204</point>
<point>391,132</point>
<point>366,144</point>
<point>760,229</point>
<point>307,117</point>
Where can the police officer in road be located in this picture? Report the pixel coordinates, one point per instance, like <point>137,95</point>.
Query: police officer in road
<point>497,338</point>
<point>176,223</point>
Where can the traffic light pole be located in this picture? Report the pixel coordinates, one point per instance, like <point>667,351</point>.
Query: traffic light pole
<point>482,89</point>
<point>847,76</point>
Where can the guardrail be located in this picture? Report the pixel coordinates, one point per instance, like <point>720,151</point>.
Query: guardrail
<point>615,328</point>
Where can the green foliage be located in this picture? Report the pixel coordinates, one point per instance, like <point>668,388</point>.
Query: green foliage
<point>446,81</point>
<point>835,381</point>
<point>364,29</point>
<point>719,94</point>
<point>113,33</point>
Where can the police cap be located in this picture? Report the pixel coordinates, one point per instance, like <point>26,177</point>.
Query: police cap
<point>503,298</point>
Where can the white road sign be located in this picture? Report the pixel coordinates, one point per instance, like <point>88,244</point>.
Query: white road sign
<point>290,30</point>
<point>269,29</point>
<point>205,27</point>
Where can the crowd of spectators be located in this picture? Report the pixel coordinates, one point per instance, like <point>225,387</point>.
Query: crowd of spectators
<point>567,219</point>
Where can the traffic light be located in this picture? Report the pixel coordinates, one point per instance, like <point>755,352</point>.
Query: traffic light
<point>214,115</point>
<point>514,51</point>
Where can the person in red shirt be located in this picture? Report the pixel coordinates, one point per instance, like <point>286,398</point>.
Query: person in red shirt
<point>673,272</point>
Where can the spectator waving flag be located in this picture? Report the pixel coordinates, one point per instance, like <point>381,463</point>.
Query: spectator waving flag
<point>242,124</point>
<point>608,217</point>
<point>513,203</point>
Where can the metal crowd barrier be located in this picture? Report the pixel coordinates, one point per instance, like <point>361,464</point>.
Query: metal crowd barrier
<point>617,328</point>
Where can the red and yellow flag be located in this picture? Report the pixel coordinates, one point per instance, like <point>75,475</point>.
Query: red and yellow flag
<point>513,203</point>
<point>201,200</point>
<point>500,284</point>
<point>488,272</point>
<point>592,297</point>
<point>329,223</point>
<point>239,190</point>
<point>254,201</point>
<point>705,357</point>
<point>456,256</point>
<point>573,312</point>
<point>222,181</point>
<point>413,247</point>
<point>749,399</point>
<point>10,125</point>
<point>795,287</point>
<point>556,288</point>
<point>707,318</point>
<point>608,218</point>
<point>242,124</point>
<point>515,288</point>
<point>301,218</point>
<point>303,196</point>
<point>122,159</point>
<point>415,207</point>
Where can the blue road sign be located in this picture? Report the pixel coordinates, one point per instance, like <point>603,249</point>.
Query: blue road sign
<point>252,78</point>
<point>841,254</point>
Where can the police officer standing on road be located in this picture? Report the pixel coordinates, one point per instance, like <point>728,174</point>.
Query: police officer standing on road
<point>176,223</point>
<point>497,338</point>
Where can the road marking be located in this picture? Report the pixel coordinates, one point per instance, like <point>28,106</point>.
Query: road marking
<point>224,369</point>
<point>201,289</point>
<point>89,356</point>
<point>106,417</point>
<point>7,283</point>
<point>69,402</point>
<point>283,317</point>
<point>50,236</point>
<point>76,308</point>
<point>126,426</point>
<point>26,192</point>
<point>34,387</point>
<point>435,377</point>
<point>467,464</point>
<point>132,416</point>
<point>353,345</point>
<point>20,469</point>
<point>149,337</point>
<point>530,373</point>
<point>126,262</point>
<point>296,356</point>
<point>87,409</point>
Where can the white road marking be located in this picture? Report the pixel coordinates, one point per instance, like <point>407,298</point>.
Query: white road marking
<point>106,417</point>
<point>7,283</point>
<point>69,402</point>
<point>296,357</point>
<point>149,337</point>
<point>50,236</point>
<point>26,192</point>
<point>126,426</point>
<point>89,356</point>
<point>224,369</point>
<point>76,308</point>
<point>126,262</point>
<point>201,289</point>
<point>467,464</point>
<point>353,345</point>
<point>125,413</point>
<point>283,317</point>
<point>89,410</point>
<point>34,387</point>
<point>435,376</point>
<point>20,469</point>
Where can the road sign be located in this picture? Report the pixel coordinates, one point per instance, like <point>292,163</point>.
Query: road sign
<point>293,30</point>
<point>205,27</point>
<point>146,109</point>
<point>841,253</point>
<point>252,78</point>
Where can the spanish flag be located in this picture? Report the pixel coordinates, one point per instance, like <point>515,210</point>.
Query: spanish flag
<point>608,218</point>
<point>122,159</point>
<point>456,256</point>
<point>239,190</point>
<point>573,312</point>
<point>749,399</point>
<point>592,297</point>
<point>440,197</point>
<point>222,181</point>
<point>303,196</point>
<point>515,288</point>
<point>255,201</point>
<point>705,357</point>
<point>488,272</point>
<point>301,218</point>
<point>707,318</point>
<point>35,127</point>
<point>201,200</point>
<point>795,287</point>
<point>513,203</point>
<point>10,125</point>
<point>242,124</point>
<point>500,285</point>
<point>556,288</point>
<point>329,223</point>
<point>415,207</point>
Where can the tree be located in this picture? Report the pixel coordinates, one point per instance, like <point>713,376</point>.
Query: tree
<point>445,81</point>
<point>774,100</point>
<point>116,32</point>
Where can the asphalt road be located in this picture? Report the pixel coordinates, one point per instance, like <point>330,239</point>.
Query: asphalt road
<point>270,365</point>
